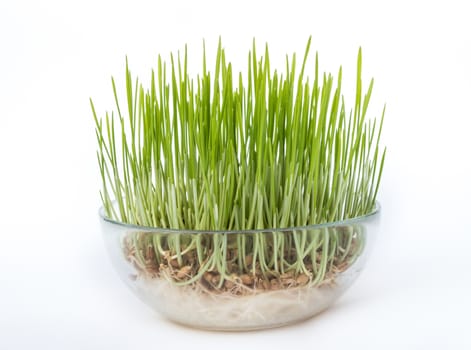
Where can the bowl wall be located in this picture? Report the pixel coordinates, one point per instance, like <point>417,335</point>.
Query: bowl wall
<point>240,280</point>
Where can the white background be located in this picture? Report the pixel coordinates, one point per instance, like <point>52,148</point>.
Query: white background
<point>57,287</point>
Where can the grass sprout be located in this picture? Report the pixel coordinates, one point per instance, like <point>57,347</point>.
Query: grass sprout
<point>231,151</point>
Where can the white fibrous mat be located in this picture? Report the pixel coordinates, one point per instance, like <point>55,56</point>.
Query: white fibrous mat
<point>196,306</point>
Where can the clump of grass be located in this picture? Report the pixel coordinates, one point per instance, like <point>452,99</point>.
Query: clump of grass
<point>228,152</point>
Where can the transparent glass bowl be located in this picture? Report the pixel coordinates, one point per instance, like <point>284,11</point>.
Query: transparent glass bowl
<point>240,280</point>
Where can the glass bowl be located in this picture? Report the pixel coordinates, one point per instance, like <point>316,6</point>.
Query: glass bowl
<point>240,280</point>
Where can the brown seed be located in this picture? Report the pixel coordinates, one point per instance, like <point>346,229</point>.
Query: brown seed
<point>174,263</point>
<point>343,266</point>
<point>246,279</point>
<point>302,279</point>
<point>150,252</point>
<point>232,267</point>
<point>248,260</point>
<point>228,284</point>
<point>266,284</point>
<point>215,280</point>
<point>287,275</point>
<point>208,276</point>
<point>184,272</point>
<point>288,282</point>
<point>275,285</point>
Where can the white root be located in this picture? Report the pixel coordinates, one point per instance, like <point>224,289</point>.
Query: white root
<point>196,306</point>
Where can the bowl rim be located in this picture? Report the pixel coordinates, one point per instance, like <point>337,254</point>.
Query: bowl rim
<point>372,214</point>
